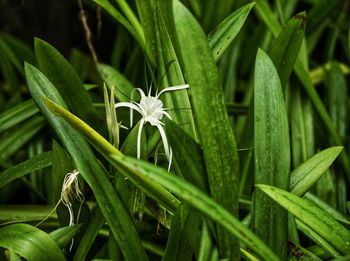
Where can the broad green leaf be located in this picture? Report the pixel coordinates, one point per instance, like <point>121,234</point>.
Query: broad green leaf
<point>89,167</point>
<point>10,143</point>
<point>285,49</point>
<point>156,175</point>
<point>306,174</point>
<point>30,242</point>
<point>213,126</point>
<point>271,151</point>
<point>32,164</point>
<point>17,114</point>
<point>221,38</point>
<point>61,73</point>
<point>123,88</point>
<point>188,156</point>
<point>63,236</point>
<point>321,222</point>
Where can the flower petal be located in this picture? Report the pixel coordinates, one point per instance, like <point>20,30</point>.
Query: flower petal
<point>142,121</point>
<point>173,88</point>
<point>131,106</point>
<point>165,141</point>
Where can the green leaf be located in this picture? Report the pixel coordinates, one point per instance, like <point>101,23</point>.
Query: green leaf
<point>318,220</point>
<point>35,163</point>
<point>123,88</point>
<point>17,114</point>
<point>221,38</point>
<point>338,99</point>
<point>213,126</point>
<point>63,236</point>
<point>272,159</point>
<point>160,177</point>
<point>10,143</point>
<point>90,168</point>
<point>297,252</point>
<point>306,174</point>
<point>285,49</point>
<point>30,242</point>
<point>96,222</point>
<point>61,73</point>
<point>184,235</point>
<point>188,156</point>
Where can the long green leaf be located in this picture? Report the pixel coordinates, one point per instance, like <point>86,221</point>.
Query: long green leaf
<point>30,242</point>
<point>85,161</point>
<point>64,235</point>
<point>222,37</point>
<point>305,175</point>
<point>286,47</point>
<point>272,159</point>
<point>63,76</point>
<point>10,143</point>
<point>215,133</point>
<point>17,114</point>
<point>318,220</point>
<point>35,163</point>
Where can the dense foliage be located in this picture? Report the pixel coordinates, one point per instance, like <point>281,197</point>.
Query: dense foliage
<point>213,130</point>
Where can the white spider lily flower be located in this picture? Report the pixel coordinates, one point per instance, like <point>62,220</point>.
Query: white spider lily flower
<point>152,111</point>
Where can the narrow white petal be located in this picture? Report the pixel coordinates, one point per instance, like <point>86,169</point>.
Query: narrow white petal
<point>165,141</point>
<point>174,88</point>
<point>139,139</point>
<point>167,114</point>
<point>131,106</point>
<point>171,159</point>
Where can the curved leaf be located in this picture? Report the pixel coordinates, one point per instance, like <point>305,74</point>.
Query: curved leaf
<point>221,38</point>
<point>318,220</point>
<point>272,154</point>
<point>306,174</point>
<point>213,126</point>
<point>30,242</point>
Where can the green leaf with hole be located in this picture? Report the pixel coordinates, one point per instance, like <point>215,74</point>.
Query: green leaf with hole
<point>319,221</point>
<point>30,242</point>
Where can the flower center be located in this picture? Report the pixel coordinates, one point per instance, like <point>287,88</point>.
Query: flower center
<point>152,109</point>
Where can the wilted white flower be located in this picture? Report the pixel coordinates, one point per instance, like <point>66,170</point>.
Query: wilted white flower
<point>152,111</point>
